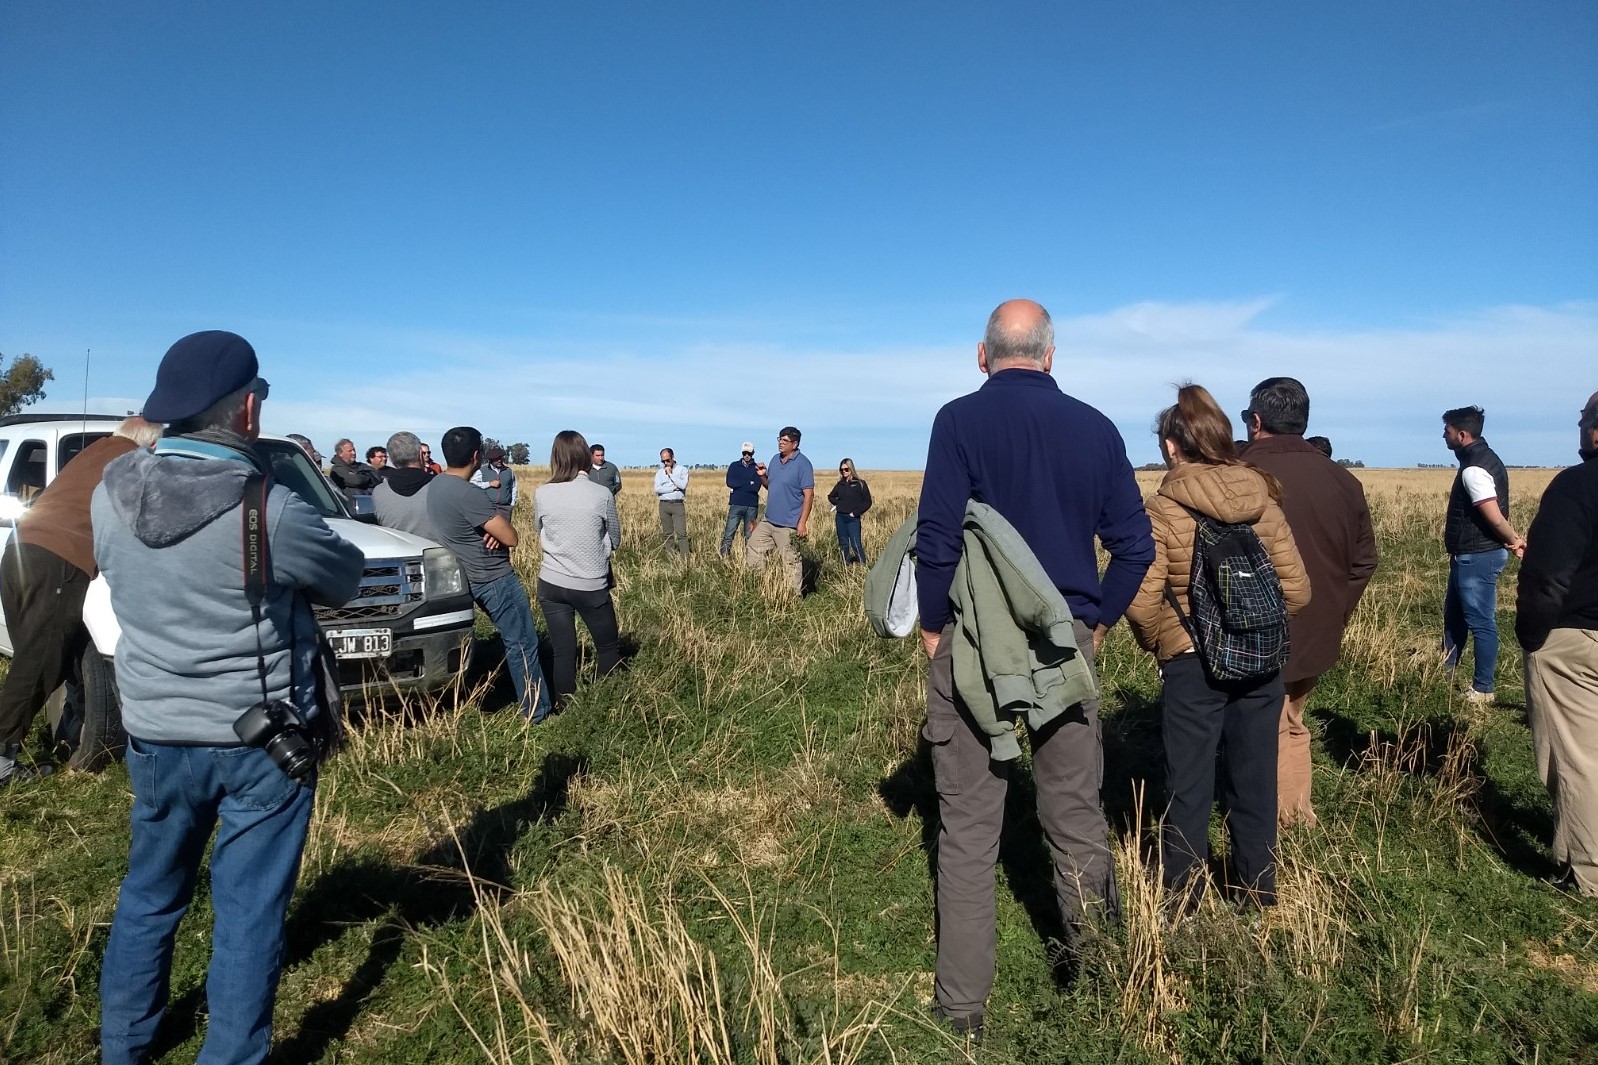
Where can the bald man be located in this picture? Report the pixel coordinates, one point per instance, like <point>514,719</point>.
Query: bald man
<point>1556,622</point>
<point>1056,470</point>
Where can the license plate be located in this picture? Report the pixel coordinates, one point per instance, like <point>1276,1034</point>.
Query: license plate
<point>361,643</point>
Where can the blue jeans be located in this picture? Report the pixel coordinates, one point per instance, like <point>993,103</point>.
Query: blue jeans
<point>736,516</point>
<point>849,539</point>
<point>1470,608</point>
<point>505,601</point>
<point>179,795</point>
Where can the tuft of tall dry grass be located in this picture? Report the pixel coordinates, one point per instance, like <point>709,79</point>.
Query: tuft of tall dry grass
<point>643,990</point>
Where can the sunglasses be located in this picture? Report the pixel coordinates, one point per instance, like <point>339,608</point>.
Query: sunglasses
<point>748,452</point>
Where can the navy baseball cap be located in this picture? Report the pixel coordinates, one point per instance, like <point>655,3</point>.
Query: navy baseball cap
<point>197,371</point>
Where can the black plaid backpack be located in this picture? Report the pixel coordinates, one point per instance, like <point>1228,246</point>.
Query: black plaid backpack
<point>1239,616</point>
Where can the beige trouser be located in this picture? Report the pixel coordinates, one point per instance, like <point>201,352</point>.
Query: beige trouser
<point>1293,771</point>
<point>1562,702</point>
<point>768,538</point>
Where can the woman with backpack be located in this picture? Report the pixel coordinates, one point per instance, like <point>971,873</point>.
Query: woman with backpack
<point>850,498</point>
<point>1213,609</point>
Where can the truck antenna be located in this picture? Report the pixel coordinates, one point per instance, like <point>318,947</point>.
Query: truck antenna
<point>87,352</point>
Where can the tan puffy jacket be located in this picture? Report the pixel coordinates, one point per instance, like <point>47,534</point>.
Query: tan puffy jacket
<point>1226,493</point>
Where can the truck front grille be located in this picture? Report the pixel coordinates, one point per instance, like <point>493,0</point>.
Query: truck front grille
<point>389,588</point>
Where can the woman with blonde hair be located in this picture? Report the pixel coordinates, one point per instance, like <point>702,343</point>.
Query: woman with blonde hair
<point>1201,714</point>
<point>850,498</point>
<point>577,531</point>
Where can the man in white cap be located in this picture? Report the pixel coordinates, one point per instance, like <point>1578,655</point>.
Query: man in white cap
<point>743,505</point>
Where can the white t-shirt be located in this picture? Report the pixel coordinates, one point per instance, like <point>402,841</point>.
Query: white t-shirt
<point>1479,484</point>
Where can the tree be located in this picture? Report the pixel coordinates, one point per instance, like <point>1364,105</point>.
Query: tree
<point>520,454</point>
<point>22,383</point>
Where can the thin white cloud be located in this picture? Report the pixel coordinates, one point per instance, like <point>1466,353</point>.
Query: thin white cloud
<point>1377,391</point>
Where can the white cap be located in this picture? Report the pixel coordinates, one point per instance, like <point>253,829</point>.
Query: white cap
<point>748,446</point>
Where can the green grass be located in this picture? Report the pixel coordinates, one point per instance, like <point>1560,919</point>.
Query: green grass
<point>740,820</point>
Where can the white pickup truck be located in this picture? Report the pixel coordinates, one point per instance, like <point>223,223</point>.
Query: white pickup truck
<point>409,627</point>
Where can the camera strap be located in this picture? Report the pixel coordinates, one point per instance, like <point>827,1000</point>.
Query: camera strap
<point>257,561</point>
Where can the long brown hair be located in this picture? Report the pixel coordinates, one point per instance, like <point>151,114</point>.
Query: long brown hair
<point>569,457</point>
<point>1202,432</point>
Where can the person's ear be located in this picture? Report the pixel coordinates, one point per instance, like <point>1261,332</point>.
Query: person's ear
<point>250,416</point>
<point>982,356</point>
<point>1048,360</point>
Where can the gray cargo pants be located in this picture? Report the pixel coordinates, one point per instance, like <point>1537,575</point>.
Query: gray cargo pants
<point>1067,769</point>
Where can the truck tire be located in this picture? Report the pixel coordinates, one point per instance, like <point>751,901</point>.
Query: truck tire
<point>100,740</point>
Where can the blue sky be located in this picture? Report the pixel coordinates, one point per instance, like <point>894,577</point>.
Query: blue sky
<point>693,223</point>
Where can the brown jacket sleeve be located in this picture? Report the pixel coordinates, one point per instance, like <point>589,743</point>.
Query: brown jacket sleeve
<point>1278,540</point>
<point>1156,625</point>
<point>1364,563</point>
<point>1144,612</point>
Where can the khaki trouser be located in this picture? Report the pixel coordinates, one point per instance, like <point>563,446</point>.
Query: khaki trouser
<point>1293,771</point>
<point>1562,702</point>
<point>674,526</point>
<point>1067,773</point>
<point>779,538</point>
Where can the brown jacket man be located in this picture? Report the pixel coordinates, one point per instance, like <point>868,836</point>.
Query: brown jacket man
<point>1331,522</point>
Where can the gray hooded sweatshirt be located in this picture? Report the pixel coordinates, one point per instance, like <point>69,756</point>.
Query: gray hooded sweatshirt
<point>167,536</point>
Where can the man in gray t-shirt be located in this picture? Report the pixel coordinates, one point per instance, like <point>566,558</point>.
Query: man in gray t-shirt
<point>468,523</point>
<point>461,513</point>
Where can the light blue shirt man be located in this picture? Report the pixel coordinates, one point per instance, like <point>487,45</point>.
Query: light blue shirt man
<point>786,481</point>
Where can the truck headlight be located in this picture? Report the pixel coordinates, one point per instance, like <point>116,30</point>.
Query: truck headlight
<point>442,571</point>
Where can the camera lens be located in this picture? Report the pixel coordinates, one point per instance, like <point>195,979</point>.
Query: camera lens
<point>291,753</point>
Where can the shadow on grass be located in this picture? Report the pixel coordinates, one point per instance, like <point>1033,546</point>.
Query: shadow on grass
<point>435,888</point>
<point>1518,832</point>
<point>1134,761</point>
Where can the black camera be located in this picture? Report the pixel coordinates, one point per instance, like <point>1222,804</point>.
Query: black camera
<point>285,735</point>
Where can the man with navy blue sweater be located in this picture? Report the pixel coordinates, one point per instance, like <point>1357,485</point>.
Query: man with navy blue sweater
<point>743,498</point>
<point>1055,469</point>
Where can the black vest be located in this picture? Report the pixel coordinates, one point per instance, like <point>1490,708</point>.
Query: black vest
<point>507,484</point>
<point>1466,531</point>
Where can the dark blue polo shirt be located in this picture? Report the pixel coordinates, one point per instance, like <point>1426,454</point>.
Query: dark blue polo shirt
<point>1056,469</point>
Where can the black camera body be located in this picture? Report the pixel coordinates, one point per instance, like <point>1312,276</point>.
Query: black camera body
<point>286,736</point>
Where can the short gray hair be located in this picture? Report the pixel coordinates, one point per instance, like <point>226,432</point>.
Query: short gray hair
<point>141,432</point>
<point>1007,345</point>
<point>405,449</point>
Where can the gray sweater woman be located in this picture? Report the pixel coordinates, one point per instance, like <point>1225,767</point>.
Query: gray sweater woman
<point>577,530</point>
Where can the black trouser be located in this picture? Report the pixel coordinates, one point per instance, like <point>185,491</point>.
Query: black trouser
<point>560,605</point>
<point>1198,718</point>
<point>42,595</point>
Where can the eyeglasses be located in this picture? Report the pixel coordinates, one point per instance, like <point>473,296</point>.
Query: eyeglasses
<point>1248,415</point>
<point>843,469</point>
<point>748,452</point>
<point>261,388</point>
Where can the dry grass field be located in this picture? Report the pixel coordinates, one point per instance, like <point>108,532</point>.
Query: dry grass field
<point>723,854</point>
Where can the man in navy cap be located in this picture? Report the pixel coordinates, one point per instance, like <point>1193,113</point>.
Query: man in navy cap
<point>205,654</point>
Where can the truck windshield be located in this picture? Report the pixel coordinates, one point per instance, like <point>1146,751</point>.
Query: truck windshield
<point>293,470</point>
